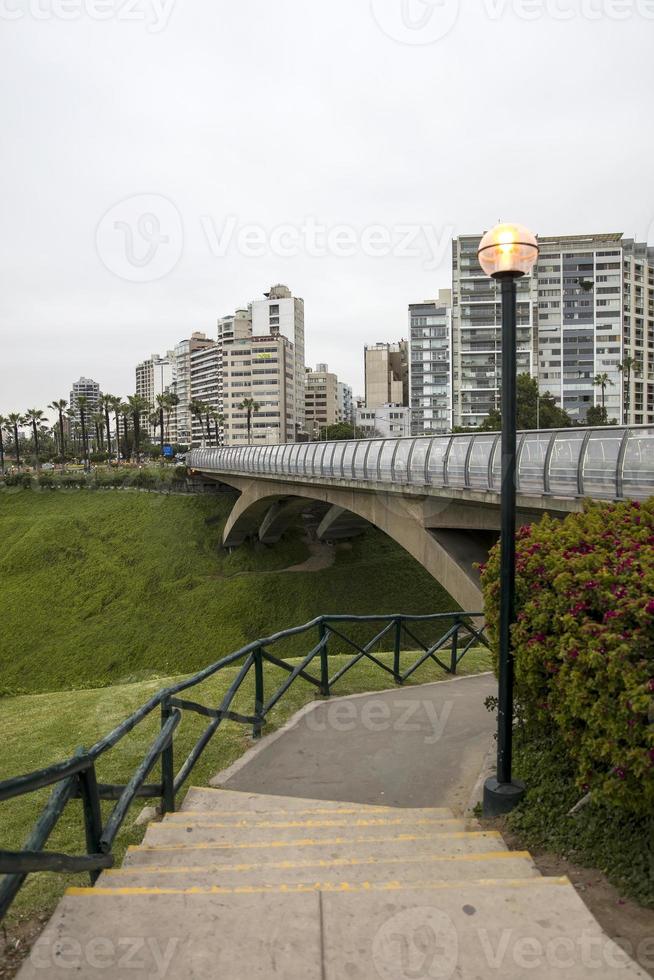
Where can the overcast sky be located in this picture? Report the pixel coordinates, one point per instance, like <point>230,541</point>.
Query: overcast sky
<point>166,162</point>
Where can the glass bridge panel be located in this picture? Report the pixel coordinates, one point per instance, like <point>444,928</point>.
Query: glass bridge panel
<point>358,461</point>
<point>480,455</point>
<point>564,462</point>
<point>372,459</point>
<point>348,457</point>
<point>418,460</point>
<point>436,460</point>
<point>638,465</point>
<point>337,458</point>
<point>600,463</point>
<point>291,464</point>
<point>456,461</point>
<point>386,459</point>
<point>531,466</point>
<point>318,458</point>
<point>400,472</point>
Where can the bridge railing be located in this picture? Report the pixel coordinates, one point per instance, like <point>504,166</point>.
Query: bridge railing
<point>77,777</point>
<point>610,462</point>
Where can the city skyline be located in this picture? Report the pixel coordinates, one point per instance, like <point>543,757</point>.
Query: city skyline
<point>344,129</point>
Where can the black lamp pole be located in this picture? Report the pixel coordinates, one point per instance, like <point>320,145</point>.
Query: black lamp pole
<point>501,793</point>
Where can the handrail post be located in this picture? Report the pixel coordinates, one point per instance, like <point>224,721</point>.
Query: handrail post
<point>324,660</point>
<point>88,785</point>
<point>455,647</point>
<point>258,693</point>
<point>396,652</point>
<point>167,765</point>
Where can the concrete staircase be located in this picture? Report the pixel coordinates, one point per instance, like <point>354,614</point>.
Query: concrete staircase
<point>241,886</point>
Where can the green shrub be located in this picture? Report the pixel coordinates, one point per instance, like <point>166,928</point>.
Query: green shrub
<point>584,643</point>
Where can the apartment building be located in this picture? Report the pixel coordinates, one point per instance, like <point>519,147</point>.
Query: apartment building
<point>205,377</point>
<point>155,376</point>
<point>386,421</point>
<point>183,423</point>
<point>90,390</point>
<point>261,369</point>
<point>387,374</point>
<point>321,400</point>
<point>345,403</point>
<point>282,314</point>
<point>430,365</point>
<point>586,310</point>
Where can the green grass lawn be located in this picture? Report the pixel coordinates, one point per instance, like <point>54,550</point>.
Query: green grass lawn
<point>39,729</point>
<point>107,587</point>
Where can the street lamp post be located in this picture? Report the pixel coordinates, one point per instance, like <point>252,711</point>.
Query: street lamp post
<point>506,253</point>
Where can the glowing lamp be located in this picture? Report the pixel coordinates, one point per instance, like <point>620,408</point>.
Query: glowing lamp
<point>507,250</point>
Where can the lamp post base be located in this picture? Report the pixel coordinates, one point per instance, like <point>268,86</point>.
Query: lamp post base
<point>500,798</point>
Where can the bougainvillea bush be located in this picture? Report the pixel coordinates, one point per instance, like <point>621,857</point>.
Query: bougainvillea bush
<point>584,644</point>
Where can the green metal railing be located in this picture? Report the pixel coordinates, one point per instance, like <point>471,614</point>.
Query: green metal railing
<point>77,778</point>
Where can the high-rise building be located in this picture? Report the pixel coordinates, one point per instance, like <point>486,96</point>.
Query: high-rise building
<point>182,383</point>
<point>387,421</point>
<point>282,314</point>
<point>430,366</point>
<point>205,387</point>
<point>90,390</point>
<point>345,403</point>
<point>387,374</point>
<point>320,399</point>
<point>587,310</point>
<point>261,369</point>
<point>155,376</point>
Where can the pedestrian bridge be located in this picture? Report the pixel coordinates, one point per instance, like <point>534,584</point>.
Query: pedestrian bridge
<point>437,496</point>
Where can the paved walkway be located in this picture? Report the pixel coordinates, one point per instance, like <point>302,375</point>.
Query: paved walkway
<point>417,746</point>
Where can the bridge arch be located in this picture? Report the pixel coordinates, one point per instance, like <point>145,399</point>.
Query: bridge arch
<point>446,554</point>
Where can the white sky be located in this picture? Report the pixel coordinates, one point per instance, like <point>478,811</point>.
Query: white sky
<point>270,113</point>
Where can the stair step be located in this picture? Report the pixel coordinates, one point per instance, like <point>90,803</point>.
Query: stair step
<point>206,798</point>
<point>308,871</point>
<point>208,829</point>
<point>333,846</point>
<point>508,928</point>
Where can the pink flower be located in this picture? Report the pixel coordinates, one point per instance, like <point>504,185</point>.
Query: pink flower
<point>620,772</point>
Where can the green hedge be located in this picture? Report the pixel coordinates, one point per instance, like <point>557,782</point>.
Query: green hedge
<point>146,478</point>
<point>584,643</point>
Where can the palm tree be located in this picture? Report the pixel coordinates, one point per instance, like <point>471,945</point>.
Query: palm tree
<point>107,404</point>
<point>172,401</point>
<point>15,419</point>
<point>251,407</point>
<point>33,417</point>
<point>82,402</point>
<point>162,403</point>
<point>602,381</point>
<point>125,412</point>
<point>197,408</point>
<point>218,419</point>
<point>3,423</point>
<point>59,407</point>
<point>138,406</point>
<point>629,365</point>
<point>98,422</point>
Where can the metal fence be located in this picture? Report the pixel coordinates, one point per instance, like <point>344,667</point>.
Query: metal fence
<point>77,777</point>
<point>612,462</point>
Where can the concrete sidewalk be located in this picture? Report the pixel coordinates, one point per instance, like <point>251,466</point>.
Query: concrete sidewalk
<point>419,746</point>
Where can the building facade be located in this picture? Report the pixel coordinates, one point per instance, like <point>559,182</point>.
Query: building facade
<point>205,387</point>
<point>586,311</point>
<point>155,376</point>
<point>183,428</point>
<point>282,314</point>
<point>430,365</point>
<point>385,421</point>
<point>90,390</point>
<point>261,369</point>
<point>386,374</point>
<point>320,400</point>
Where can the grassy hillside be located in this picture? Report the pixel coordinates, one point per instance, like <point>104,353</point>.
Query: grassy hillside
<point>110,587</point>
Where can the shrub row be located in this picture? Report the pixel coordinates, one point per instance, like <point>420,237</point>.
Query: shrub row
<point>584,644</point>
<point>150,478</point>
